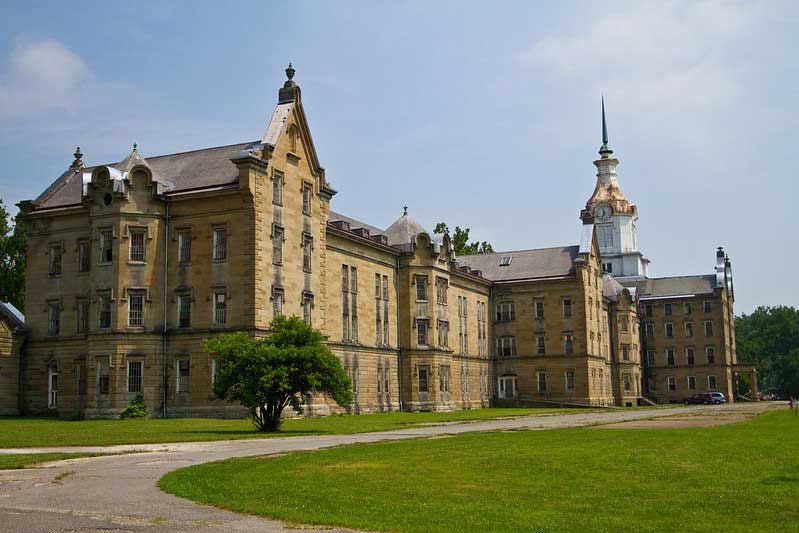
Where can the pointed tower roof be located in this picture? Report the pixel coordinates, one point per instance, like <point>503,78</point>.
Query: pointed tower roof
<point>404,230</point>
<point>604,150</point>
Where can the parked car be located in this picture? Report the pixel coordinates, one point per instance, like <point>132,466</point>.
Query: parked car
<point>702,398</point>
<point>717,398</point>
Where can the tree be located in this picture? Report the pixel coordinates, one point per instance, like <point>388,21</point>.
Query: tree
<point>460,241</point>
<point>769,338</point>
<point>12,258</point>
<point>267,375</point>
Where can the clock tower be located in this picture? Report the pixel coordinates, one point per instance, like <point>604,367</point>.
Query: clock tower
<point>614,217</point>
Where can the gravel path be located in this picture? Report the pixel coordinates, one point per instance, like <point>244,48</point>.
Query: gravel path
<point>119,493</point>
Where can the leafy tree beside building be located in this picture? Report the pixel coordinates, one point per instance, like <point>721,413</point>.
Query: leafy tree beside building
<point>769,338</point>
<point>460,241</point>
<point>12,258</point>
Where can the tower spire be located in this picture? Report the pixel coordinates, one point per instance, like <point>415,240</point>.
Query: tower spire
<point>604,150</point>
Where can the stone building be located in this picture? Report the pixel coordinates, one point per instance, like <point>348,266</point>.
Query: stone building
<point>12,341</point>
<point>132,264</point>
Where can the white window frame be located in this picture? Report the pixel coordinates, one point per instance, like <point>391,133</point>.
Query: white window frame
<point>219,308</point>
<point>182,382</point>
<point>219,243</point>
<point>503,382</point>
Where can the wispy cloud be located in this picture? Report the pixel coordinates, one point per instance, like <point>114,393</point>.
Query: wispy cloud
<point>655,57</point>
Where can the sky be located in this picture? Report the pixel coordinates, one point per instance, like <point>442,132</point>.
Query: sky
<point>482,114</point>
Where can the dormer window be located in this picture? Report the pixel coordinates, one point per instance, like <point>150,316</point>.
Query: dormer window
<point>505,261</point>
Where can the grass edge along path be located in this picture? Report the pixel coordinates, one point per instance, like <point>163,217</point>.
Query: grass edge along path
<point>738,477</point>
<point>30,460</point>
<point>30,432</point>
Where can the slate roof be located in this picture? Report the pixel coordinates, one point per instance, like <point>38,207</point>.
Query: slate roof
<point>404,230</point>
<point>16,317</point>
<point>196,169</point>
<point>354,224</point>
<point>673,286</point>
<point>525,264</point>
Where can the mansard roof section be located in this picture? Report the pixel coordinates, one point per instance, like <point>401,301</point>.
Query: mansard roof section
<point>672,287</point>
<point>354,224</point>
<point>520,265</point>
<point>612,289</point>
<point>184,171</point>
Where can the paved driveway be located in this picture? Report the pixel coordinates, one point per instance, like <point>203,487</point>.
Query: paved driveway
<point>119,493</point>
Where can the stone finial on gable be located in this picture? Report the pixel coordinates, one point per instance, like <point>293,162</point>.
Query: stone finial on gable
<point>290,92</point>
<point>78,162</point>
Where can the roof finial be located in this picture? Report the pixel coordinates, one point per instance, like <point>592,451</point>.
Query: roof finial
<point>290,72</point>
<point>604,150</point>
<point>135,147</point>
<point>404,209</point>
<point>78,159</point>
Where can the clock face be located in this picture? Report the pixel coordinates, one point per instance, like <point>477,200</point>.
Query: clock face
<point>603,212</point>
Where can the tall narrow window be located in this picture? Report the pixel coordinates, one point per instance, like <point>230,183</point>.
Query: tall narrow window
<point>277,301</point>
<point>708,328</point>
<point>421,288</point>
<point>277,188</point>
<point>691,382</point>
<point>506,311</point>
<point>669,330</point>
<point>650,331</point>
<point>711,383</point>
<point>625,326</point>
<point>104,308</point>
<point>138,248</point>
<point>689,356</point>
<point>570,380</point>
<point>672,383</point>
<point>670,357</point>
<point>378,312</point>
<point>277,244</point>
<point>687,308</point>
<point>106,246</point>
<point>710,352</point>
<point>667,309</point>
<point>542,381</point>
<point>307,247</point>
<point>354,303</point>
<point>625,352</point>
<point>567,308</point>
<point>689,329</point>
<point>568,344</point>
<point>184,247</point>
<point>54,318</point>
<point>708,306</point>
<point>424,375</point>
<point>84,256</point>
<point>135,376</point>
<point>184,311</point>
<point>443,378</point>
<point>80,378</point>
<point>220,308</point>
<point>55,260</point>
<point>650,357</point>
<point>307,307</point>
<point>52,386</point>
<point>307,192</point>
<point>220,243</point>
<point>506,346</point>
<point>345,302</point>
<point>421,331</point>
<point>103,381</point>
<point>443,333</point>
<point>648,310</point>
<point>539,310</point>
<point>628,382</point>
<point>82,318</point>
<point>183,376</point>
<point>386,336</point>
<point>136,309</point>
<point>441,291</point>
<point>540,343</point>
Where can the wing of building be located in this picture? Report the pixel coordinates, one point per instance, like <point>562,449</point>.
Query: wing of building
<point>131,264</point>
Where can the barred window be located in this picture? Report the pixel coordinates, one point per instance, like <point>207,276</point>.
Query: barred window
<point>104,308</point>
<point>137,246</point>
<point>184,311</point>
<point>539,310</point>
<point>220,308</point>
<point>135,376</point>
<point>708,306</point>
<point>277,188</point>
<point>542,381</point>
<point>541,345</point>
<point>84,256</point>
<point>220,243</point>
<point>570,382</point>
<point>307,247</point>
<point>307,193</point>
<point>106,246</point>
<point>184,246</point>
<point>277,301</point>
<point>54,319</point>
<point>55,260</point>
<point>689,356</point>
<point>136,309</point>
<point>307,307</point>
<point>277,244</point>
<point>183,376</point>
<point>567,308</point>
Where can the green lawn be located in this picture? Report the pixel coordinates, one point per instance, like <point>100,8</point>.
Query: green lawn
<point>740,477</point>
<point>24,460</point>
<point>21,432</point>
